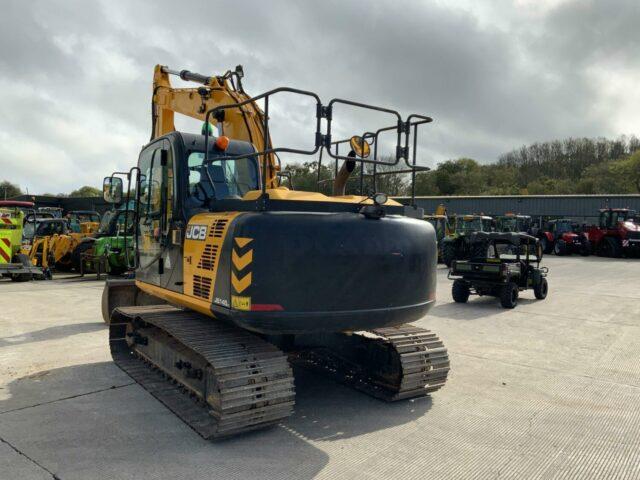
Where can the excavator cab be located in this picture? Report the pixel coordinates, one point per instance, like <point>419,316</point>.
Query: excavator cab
<point>219,178</point>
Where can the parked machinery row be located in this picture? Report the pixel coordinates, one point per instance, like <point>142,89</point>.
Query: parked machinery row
<point>35,241</point>
<point>617,233</point>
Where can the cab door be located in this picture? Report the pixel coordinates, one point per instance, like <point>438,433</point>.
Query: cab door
<point>151,208</point>
<point>159,260</point>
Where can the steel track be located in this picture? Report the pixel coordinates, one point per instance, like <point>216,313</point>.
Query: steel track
<point>416,362</point>
<point>219,379</point>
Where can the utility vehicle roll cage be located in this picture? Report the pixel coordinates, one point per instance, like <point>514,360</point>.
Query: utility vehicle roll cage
<point>493,239</point>
<point>323,141</point>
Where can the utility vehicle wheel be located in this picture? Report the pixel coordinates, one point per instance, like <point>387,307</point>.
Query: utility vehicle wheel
<point>585,249</point>
<point>76,255</point>
<point>448,253</point>
<point>460,291</point>
<point>560,248</point>
<point>509,295</point>
<point>541,289</point>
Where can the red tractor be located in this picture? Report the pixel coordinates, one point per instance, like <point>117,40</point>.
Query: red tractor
<point>617,234</point>
<point>563,237</point>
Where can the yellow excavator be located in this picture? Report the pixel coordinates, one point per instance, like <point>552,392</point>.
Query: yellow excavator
<point>237,277</point>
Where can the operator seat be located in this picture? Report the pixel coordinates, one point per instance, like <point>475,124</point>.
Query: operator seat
<point>220,186</point>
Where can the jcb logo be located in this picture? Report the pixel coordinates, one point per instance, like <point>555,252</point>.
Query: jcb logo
<point>196,232</point>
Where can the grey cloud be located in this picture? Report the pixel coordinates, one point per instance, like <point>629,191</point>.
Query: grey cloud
<point>490,85</point>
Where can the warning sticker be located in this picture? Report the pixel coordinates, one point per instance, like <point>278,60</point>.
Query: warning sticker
<point>241,303</point>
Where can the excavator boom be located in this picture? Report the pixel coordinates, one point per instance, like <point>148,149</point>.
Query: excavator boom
<point>244,123</point>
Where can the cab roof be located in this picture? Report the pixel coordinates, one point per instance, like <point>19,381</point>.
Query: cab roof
<point>16,203</point>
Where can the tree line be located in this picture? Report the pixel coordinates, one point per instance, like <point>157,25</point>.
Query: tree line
<point>569,166</point>
<point>9,190</point>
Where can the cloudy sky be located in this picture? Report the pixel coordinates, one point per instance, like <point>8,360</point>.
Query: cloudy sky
<point>75,76</point>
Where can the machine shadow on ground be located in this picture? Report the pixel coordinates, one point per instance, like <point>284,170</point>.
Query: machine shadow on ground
<point>122,414</point>
<point>51,333</point>
<point>326,410</point>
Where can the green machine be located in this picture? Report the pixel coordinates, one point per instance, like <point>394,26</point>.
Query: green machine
<point>457,246</point>
<point>111,249</point>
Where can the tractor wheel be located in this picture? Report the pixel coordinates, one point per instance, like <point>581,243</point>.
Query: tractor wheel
<point>611,248</point>
<point>541,289</point>
<point>509,295</point>
<point>585,249</point>
<point>560,248</point>
<point>460,291</point>
<point>119,270</point>
<point>21,277</point>
<point>546,245</point>
<point>76,255</point>
<point>448,253</point>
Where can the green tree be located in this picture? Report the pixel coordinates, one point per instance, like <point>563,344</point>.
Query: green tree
<point>86,191</point>
<point>305,177</point>
<point>613,176</point>
<point>426,184</point>
<point>632,167</point>
<point>463,176</point>
<point>9,190</point>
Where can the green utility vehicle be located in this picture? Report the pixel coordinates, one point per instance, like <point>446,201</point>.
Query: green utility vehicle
<point>457,246</point>
<point>509,264</point>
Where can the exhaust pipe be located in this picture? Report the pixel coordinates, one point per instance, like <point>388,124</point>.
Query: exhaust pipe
<point>340,182</point>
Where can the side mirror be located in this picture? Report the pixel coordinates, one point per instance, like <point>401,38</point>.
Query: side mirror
<point>112,189</point>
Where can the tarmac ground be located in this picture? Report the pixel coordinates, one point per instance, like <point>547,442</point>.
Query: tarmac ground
<point>548,390</point>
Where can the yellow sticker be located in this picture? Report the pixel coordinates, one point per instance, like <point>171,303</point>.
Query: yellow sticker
<point>241,303</point>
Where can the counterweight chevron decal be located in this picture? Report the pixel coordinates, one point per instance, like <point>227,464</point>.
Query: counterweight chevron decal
<point>241,258</point>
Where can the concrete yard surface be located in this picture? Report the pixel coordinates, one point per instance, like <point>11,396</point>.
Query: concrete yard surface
<point>548,390</point>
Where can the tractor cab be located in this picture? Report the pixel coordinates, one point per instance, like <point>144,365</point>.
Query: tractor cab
<point>617,234</point>
<point>52,226</point>
<point>563,237</point>
<point>52,212</point>
<point>83,221</point>
<point>514,223</point>
<point>467,224</point>
<point>457,246</point>
<point>610,218</point>
<point>562,226</point>
<point>116,222</point>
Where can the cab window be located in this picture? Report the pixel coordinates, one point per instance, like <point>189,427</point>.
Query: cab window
<point>221,178</point>
<point>150,183</point>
